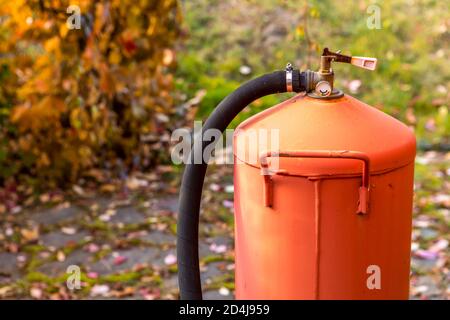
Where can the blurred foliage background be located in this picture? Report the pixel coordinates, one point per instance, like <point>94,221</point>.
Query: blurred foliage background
<point>234,41</point>
<point>106,96</point>
<point>76,99</point>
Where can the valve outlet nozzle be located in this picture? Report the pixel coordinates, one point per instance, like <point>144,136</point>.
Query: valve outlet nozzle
<point>364,62</point>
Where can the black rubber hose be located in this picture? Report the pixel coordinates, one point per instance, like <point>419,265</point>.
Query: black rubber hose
<point>194,174</point>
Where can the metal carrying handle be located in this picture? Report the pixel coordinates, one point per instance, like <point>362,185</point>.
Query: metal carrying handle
<point>363,190</point>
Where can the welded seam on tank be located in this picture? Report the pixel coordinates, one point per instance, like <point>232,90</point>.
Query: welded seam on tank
<point>317,236</point>
<point>337,175</point>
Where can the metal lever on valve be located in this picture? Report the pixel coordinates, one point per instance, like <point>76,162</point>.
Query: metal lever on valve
<point>324,83</point>
<point>364,62</point>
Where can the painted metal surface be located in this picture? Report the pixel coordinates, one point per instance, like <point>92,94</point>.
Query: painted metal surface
<point>305,123</point>
<point>310,244</point>
<point>344,154</point>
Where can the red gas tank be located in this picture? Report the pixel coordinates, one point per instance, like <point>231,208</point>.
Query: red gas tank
<point>323,209</point>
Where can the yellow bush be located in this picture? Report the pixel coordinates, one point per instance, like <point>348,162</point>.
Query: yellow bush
<point>81,97</point>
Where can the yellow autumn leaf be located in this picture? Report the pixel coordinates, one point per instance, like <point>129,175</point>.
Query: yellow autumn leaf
<point>63,30</point>
<point>52,44</point>
<point>115,57</point>
<point>106,80</point>
<point>17,113</point>
<point>30,234</point>
<point>44,160</point>
<point>83,134</point>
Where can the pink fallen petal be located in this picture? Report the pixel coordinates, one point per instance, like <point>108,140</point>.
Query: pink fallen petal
<point>439,245</point>
<point>215,187</point>
<point>170,259</point>
<point>227,203</point>
<point>422,223</point>
<point>92,275</point>
<point>119,260</point>
<point>426,255</point>
<point>36,293</point>
<point>16,209</point>
<point>150,294</point>
<point>419,289</point>
<point>92,248</point>
<point>218,248</point>
<point>224,291</point>
<point>99,290</point>
<point>430,125</point>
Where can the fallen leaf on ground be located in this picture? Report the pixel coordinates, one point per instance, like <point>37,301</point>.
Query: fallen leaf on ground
<point>426,255</point>
<point>68,230</point>
<point>44,198</point>
<point>5,291</point>
<point>99,290</point>
<point>224,291</point>
<point>150,294</point>
<point>227,203</point>
<point>218,248</point>
<point>30,234</point>
<point>36,293</point>
<point>92,247</point>
<point>215,187</point>
<point>108,188</point>
<point>78,190</point>
<point>119,260</point>
<point>439,245</point>
<point>60,256</point>
<point>170,259</point>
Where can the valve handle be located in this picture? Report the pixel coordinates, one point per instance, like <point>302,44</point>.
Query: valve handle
<point>364,62</point>
<point>328,56</point>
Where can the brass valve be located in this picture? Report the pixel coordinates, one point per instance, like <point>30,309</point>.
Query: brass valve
<point>323,80</point>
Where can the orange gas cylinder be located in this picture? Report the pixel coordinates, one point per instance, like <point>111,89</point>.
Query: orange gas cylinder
<point>325,213</point>
<point>323,192</point>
